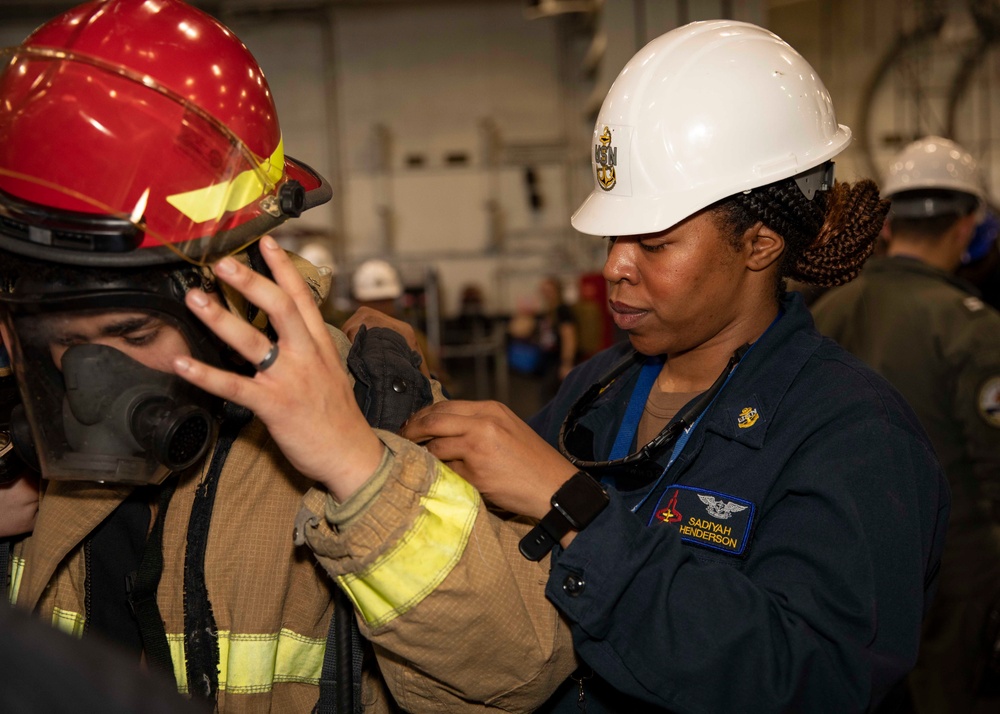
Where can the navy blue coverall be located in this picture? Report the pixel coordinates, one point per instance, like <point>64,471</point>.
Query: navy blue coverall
<point>784,561</point>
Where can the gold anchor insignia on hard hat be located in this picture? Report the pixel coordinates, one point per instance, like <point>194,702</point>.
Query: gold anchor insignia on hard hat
<point>606,158</point>
<point>747,418</point>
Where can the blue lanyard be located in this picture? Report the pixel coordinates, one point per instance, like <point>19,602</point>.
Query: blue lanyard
<point>682,440</point>
<point>636,403</point>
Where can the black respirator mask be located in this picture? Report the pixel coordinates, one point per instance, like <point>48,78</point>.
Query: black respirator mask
<point>92,353</point>
<point>121,421</point>
<point>106,417</point>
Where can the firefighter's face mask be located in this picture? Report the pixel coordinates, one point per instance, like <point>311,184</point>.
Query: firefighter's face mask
<point>101,402</point>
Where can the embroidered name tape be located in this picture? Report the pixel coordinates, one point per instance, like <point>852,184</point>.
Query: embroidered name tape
<point>708,518</point>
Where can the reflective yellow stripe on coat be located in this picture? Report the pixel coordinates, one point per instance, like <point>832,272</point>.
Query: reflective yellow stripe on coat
<point>251,663</point>
<point>68,621</point>
<point>423,558</point>
<point>16,570</point>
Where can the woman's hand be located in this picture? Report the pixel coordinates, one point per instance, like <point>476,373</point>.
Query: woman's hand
<point>489,446</point>
<point>304,396</point>
<point>18,505</point>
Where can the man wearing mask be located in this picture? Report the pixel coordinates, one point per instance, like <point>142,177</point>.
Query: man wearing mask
<point>141,165</point>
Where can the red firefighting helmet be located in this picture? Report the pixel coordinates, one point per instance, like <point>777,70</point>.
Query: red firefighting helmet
<point>136,131</point>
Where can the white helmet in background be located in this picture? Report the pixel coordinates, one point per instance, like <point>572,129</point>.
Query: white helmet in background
<point>319,254</point>
<point>931,163</point>
<point>701,113</point>
<point>376,280</point>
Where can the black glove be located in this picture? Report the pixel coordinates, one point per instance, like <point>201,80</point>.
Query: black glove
<point>389,385</point>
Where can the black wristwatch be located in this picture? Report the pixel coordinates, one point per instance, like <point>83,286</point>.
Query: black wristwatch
<point>574,506</point>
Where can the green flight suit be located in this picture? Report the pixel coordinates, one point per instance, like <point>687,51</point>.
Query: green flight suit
<point>939,345</point>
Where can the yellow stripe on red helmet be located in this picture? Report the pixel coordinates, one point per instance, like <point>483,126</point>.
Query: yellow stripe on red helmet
<point>212,202</point>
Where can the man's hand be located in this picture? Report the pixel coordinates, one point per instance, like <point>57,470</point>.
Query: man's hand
<point>303,395</point>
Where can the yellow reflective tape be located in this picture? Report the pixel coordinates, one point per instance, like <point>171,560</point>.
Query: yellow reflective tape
<point>68,621</point>
<point>16,571</point>
<point>401,578</point>
<point>251,663</point>
<point>176,644</point>
<point>211,202</point>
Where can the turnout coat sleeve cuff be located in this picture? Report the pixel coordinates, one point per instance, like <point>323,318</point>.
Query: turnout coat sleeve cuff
<point>347,536</point>
<point>441,591</point>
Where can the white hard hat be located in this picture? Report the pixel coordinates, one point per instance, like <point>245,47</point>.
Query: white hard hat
<point>933,163</point>
<point>376,280</point>
<point>319,254</point>
<point>701,113</point>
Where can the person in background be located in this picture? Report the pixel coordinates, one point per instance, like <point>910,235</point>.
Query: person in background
<point>376,286</point>
<point>542,346</point>
<point>18,484</point>
<point>18,504</point>
<point>473,323</point>
<point>739,514</point>
<point>981,261</point>
<point>337,307</point>
<point>557,335</point>
<point>930,334</point>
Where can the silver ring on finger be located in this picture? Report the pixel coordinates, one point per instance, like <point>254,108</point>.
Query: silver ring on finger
<point>270,358</point>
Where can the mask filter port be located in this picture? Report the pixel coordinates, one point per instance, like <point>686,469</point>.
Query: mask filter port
<point>177,436</point>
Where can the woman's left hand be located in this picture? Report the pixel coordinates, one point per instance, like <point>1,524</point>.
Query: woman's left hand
<point>304,397</point>
<point>489,446</point>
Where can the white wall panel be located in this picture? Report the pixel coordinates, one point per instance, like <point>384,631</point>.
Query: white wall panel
<point>431,74</point>
<point>291,52</point>
<point>514,199</point>
<point>704,10</point>
<point>422,81</point>
<point>441,211</point>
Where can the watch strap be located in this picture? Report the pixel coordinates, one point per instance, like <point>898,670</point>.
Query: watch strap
<point>543,537</point>
<point>574,505</point>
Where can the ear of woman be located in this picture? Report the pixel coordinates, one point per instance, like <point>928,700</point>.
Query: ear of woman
<point>766,247</point>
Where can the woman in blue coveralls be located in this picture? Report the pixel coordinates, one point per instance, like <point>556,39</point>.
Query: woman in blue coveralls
<point>742,517</point>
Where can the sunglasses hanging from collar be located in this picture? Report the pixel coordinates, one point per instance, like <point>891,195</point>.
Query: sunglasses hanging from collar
<point>640,465</point>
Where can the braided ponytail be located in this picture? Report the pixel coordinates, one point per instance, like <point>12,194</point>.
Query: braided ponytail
<point>827,238</point>
<point>854,219</point>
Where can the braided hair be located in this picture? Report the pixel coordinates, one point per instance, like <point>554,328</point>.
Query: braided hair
<point>827,238</point>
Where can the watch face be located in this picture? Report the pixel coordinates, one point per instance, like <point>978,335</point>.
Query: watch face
<point>580,499</point>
